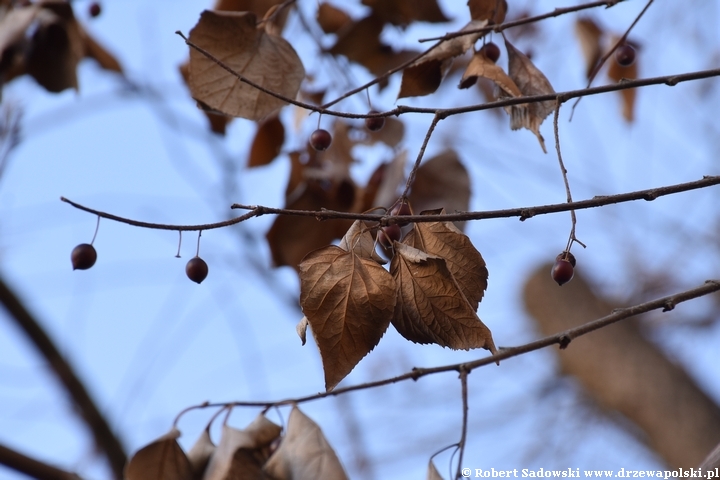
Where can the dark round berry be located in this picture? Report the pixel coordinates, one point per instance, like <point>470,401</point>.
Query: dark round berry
<point>196,269</point>
<point>562,271</point>
<point>388,235</point>
<point>320,139</point>
<point>625,55</point>
<point>491,51</point>
<point>83,256</point>
<point>94,9</point>
<point>376,123</point>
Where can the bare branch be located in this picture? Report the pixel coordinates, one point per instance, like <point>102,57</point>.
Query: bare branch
<point>32,467</point>
<point>463,432</point>
<point>411,177</point>
<point>104,437</point>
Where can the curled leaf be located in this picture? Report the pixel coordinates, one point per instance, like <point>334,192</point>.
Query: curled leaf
<point>589,35</point>
<point>301,329</point>
<point>265,59</point>
<point>432,473</point>
<point>200,453</point>
<point>431,306</point>
<point>359,241</point>
<point>530,81</point>
<point>465,263</point>
<point>348,301</point>
<point>304,453</point>
<point>481,66</point>
<point>163,459</point>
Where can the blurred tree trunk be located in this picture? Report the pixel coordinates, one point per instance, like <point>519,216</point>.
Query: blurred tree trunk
<point>619,368</point>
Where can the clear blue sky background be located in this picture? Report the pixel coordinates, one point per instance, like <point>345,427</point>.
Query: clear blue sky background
<point>149,343</point>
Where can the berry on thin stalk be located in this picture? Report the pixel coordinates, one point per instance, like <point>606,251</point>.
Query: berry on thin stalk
<point>389,234</point>
<point>563,269</point>
<point>94,10</point>
<point>320,139</point>
<point>196,269</point>
<point>376,123</point>
<point>83,256</point>
<point>625,55</point>
<point>491,51</point>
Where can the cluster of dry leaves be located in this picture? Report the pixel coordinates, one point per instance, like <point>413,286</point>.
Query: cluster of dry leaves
<point>44,40</point>
<point>258,452</point>
<point>430,295</point>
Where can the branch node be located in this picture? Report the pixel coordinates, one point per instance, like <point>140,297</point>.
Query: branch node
<point>672,81</point>
<point>669,305</point>
<point>526,213</point>
<point>650,196</point>
<point>564,341</point>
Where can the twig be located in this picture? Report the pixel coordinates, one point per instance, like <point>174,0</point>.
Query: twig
<point>604,58</point>
<point>563,170</point>
<point>524,21</point>
<point>463,431</point>
<point>413,172</point>
<point>562,339</point>
<point>32,467</point>
<point>523,212</point>
<point>105,439</point>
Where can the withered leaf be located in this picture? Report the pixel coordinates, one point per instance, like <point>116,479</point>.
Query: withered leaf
<point>445,240</point>
<point>359,241</point>
<point>301,329</point>
<point>530,81</point>
<point>431,305</point>
<point>432,473</point>
<point>268,142</point>
<point>481,66</point>
<point>589,35</point>
<point>290,238</point>
<point>268,60</point>
<point>200,453</point>
<point>331,19</point>
<point>304,453</point>
<point>259,7</point>
<point>617,73</point>
<point>424,75</point>
<point>218,122</point>
<point>349,301</point>
<point>492,10</point>
<point>56,47</point>
<point>441,182</point>
<point>163,459</point>
<point>255,437</point>
<point>404,12</point>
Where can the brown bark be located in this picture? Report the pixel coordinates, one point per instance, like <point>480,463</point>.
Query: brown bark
<point>623,371</point>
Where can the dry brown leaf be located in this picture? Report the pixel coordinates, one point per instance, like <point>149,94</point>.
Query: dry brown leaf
<point>218,123</point>
<point>481,66</point>
<point>431,306</point>
<point>259,7</point>
<point>349,301</point>
<point>331,19</point>
<point>405,12</point>
<point>267,143</point>
<point>163,459</point>
<point>618,73</point>
<point>304,453</point>
<point>55,48</point>
<point>291,238</point>
<point>200,453</point>
<point>445,240</point>
<point>432,473</point>
<point>441,182</point>
<point>359,241</point>
<point>424,76</point>
<point>13,25</point>
<point>589,35</point>
<point>492,10</point>
<point>268,60</point>
<point>530,81</point>
<point>259,434</point>
<point>97,52</point>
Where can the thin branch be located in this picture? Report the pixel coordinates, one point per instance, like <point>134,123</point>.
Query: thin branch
<point>607,55</point>
<point>562,339</point>
<point>524,21</point>
<point>463,431</point>
<point>563,170</point>
<point>523,212</point>
<point>105,439</point>
<point>413,172</point>
<point>32,467</point>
